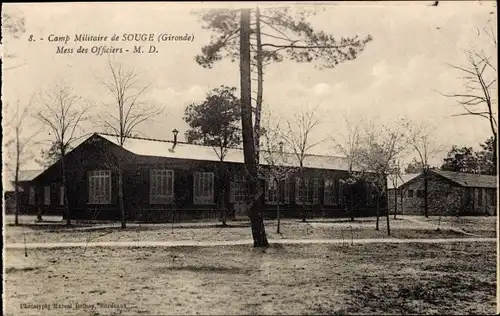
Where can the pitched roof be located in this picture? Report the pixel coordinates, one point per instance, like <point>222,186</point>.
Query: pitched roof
<point>24,175</point>
<point>165,148</point>
<point>27,175</point>
<point>469,179</point>
<point>401,179</point>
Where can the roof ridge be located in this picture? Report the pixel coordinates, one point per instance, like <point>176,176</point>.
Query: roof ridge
<point>201,145</point>
<point>464,173</point>
<point>144,138</point>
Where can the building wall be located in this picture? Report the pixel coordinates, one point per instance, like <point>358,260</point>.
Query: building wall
<point>100,155</point>
<point>444,198</point>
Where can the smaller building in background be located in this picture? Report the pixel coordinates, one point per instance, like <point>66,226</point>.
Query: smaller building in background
<point>448,193</point>
<point>27,197</point>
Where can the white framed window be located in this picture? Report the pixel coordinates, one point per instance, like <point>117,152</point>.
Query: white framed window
<point>307,192</point>
<point>315,191</point>
<point>32,195</point>
<point>341,198</point>
<point>271,191</point>
<point>302,190</point>
<point>329,192</point>
<point>238,189</point>
<point>61,195</point>
<point>100,187</point>
<point>277,192</point>
<point>161,189</point>
<point>46,195</point>
<point>203,188</point>
<point>285,191</point>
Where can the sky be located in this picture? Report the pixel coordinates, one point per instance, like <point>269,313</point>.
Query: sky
<point>400,74</point>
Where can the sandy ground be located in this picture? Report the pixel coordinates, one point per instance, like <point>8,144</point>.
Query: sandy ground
<point>411,227</point>
<point>452,278</point>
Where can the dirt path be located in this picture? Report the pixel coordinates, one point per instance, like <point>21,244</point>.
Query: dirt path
<point>142,244</point>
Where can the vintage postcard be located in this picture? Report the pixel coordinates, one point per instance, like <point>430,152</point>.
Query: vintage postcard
<point>253,158</point>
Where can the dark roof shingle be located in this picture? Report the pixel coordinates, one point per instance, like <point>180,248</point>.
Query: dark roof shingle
<point>161,148</point>
<point>470,180</point>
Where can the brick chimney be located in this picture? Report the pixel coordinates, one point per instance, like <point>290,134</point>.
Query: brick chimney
<point>175,132</point>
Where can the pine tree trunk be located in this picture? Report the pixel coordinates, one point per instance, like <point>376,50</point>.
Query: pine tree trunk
<point>378,210</point>
<point>260,84</point>
<point>257,222</point>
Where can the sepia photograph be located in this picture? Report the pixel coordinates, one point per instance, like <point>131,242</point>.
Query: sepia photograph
<point>250,158</point>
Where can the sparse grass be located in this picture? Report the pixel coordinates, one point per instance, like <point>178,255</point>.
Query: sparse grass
<point>290,229</point>
<point>452,278</point>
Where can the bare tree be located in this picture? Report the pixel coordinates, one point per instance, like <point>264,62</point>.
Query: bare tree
<point>479,76</point>
<point>395,178</point>
<point>297,136</point>
<point>277,170</point>
<point>422,142</point>
<point>349,146</point>
<point>380,147</point>
<point>124,114</point>
<point>18,142</point>
<point>62,113</point>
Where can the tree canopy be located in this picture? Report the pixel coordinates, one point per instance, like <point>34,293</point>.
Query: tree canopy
<point>215,121</point>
